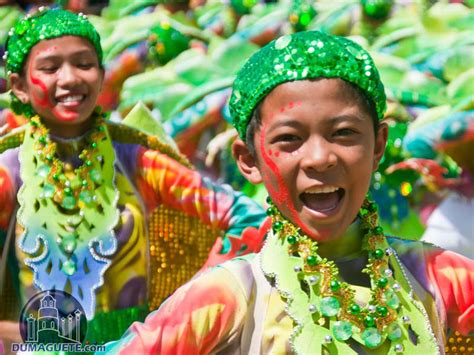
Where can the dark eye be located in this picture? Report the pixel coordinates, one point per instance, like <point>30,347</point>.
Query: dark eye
<point>85,65</point>
<point>286,138</point>
<point>48,69</point>
<point>343,132</point>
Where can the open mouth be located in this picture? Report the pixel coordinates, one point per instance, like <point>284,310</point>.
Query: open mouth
<point>322,199</point>
<point>71,100</point>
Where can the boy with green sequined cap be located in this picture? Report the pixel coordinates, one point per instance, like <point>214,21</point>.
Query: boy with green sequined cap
<point>327,280</point>
<point>107,213</point>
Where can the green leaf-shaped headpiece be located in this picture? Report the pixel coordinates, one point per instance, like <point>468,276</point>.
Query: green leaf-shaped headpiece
<point>301,56</point>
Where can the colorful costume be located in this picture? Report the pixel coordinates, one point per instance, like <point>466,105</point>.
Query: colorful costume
<point>237,309</point>
<point>115,217</point>
<point>289,299</point>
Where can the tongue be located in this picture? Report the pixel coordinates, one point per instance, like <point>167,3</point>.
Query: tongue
<point>322,202</point>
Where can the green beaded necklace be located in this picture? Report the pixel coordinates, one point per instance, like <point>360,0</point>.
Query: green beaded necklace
<point>68,188</point>
<point>324,308</point>
<point>68,215</point>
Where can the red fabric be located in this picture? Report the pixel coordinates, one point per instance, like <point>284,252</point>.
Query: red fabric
<point>454,276</point>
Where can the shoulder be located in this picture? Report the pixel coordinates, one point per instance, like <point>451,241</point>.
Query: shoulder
<point>427,261</point>
<point>123,136</point>
<point>12,139</point>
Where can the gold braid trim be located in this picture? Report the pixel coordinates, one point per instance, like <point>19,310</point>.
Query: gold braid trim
<point>118,133</point>
<point>12,139</point>
<point>125,134</point>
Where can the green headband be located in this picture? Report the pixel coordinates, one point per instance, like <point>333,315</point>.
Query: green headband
<point>301,56</point>
<point>43,25</point>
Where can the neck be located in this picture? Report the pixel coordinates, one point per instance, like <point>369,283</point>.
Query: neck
<point>349,244</point>
<point>70,131</point>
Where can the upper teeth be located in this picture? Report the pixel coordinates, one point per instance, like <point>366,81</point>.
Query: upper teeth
<point>70,98</point>
<point>321,189</point>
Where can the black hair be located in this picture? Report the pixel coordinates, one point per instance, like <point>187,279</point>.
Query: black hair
<point>353,90</point>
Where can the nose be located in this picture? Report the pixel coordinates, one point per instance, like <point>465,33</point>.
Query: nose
<point>319,156</point>
<point>68,76</point>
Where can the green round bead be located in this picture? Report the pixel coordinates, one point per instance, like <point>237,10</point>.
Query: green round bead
<point>56,176</point>
<point>378,230</point>
<point>43,171</point>
<point>342,330</point>
<point>394,332</point>
<point>88,163</point>
<point>68,202</point>
<point>311,260</point>
<point>329,306</point>
<point>363,212</point>
<point>86,197</point>
<point>335,285</point>
<point>69,243</point>
<point>84,183</point>
<point>69,267</point>
<point>382,311</point>
<point>382,282</point>
<point>378,253</point>
<point>391,299</point>
<point>354,309</point>
<point>369,321</point>
<point>95,176</point>
<point>42,140</point>
<point>372,207</point>
<point>292,239</point>
<point>48,190</point>
<point>67,190</point>
<point>268,199</point>
<point>94,145</point>
<point>271,211</point>
<point>371,337</point>
<point>277,226</point>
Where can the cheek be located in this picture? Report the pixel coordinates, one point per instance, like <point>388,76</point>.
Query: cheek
<point>39,88</point>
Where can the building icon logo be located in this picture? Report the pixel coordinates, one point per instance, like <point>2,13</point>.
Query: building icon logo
<point>53,317</point>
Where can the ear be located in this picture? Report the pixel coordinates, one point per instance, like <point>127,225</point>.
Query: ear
<point>246,162</point>
<point>102,76</point>
<point>19,87</point>
<point>380,143</point>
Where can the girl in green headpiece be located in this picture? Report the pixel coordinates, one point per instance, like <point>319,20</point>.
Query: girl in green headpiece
<point>104,212</point>
<point>327,281</point>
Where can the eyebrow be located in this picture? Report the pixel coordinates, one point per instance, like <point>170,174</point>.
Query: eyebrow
<point>342,118</point>
<point>293,122</point>
<point>48,56</point>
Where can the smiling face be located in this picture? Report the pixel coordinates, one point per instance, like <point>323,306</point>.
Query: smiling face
<point>315,152</point>
<point>61,80</point>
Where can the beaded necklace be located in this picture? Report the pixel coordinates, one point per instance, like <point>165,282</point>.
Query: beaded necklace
<point>68,214</point>
<point>69,188</point>
<point>324,308</point>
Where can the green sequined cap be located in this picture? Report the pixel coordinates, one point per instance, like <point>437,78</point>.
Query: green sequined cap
<point>46,24</point>
<point>43,25</point>
<point>300,56</point>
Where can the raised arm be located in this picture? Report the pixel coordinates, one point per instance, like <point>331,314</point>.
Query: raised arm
<point>202,317</point>
<point>453,277</point>
<point>163,180</point>
<point>7,192</point>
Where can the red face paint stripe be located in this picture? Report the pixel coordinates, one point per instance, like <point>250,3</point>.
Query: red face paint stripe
<point>282,195</point>
<point>35,81</point>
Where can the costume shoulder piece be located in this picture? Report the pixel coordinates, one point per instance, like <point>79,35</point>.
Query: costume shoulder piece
<point>139,127</point>
<point>12,139</point>
<point>118,132</point>
<point>129,135</point>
